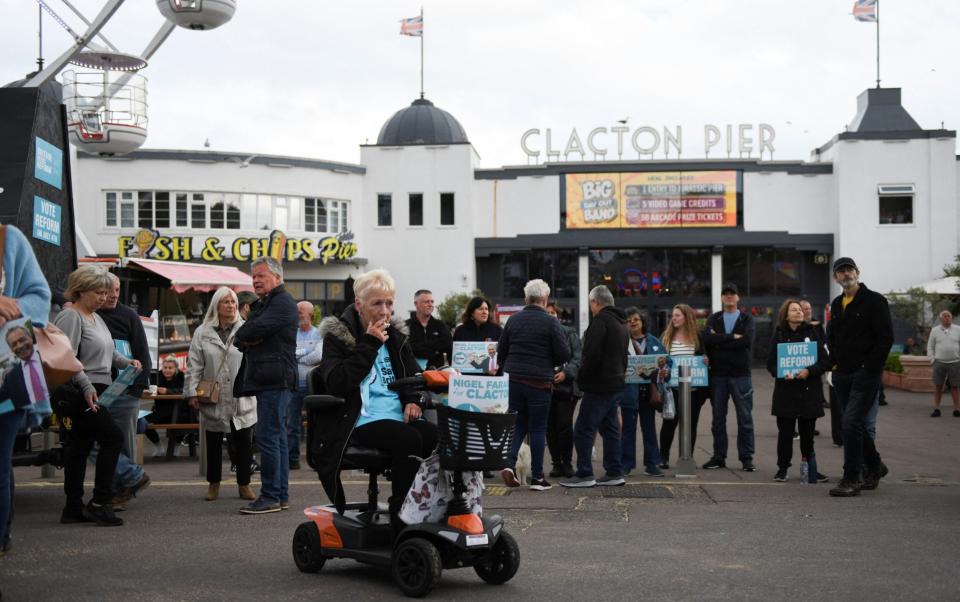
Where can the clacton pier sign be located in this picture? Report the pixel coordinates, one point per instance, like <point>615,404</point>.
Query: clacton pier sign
<point>729,140</point>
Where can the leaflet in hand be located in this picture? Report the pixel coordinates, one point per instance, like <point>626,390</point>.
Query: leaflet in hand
<point>118,387</point>
<point>642,369</point>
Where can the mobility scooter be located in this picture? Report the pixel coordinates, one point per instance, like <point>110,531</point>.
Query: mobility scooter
<point>468,441</point>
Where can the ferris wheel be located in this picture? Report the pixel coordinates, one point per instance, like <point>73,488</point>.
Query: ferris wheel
<point>105,95</point>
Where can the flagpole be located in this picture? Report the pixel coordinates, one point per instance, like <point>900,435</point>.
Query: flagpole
<point>878,43</point>
<point>421,54</point>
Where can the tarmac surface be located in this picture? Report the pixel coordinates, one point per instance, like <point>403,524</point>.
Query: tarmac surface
<point>723,535</point>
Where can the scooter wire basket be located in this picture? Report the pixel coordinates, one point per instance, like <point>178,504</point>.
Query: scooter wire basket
<point>474,440</point>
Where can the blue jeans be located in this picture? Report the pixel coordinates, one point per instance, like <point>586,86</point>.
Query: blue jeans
<point>632,408</point>
<point>598,411</point>
<point>857,393</point>
<point>295,423</point>
<point>836,417</point>
<point>126,474</point>
<point>741,389</point>
<point>272,441</point>
<point>532,406</point>
<point>10,423</point>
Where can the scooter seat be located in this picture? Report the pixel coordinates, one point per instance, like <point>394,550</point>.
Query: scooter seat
<point>357,457</point>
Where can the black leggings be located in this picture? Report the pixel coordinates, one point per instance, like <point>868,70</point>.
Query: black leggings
<point>242,455</point>
<point>400,440</point>
<point>697,398</point>
<point>560,428</point>
<point>785,430</point>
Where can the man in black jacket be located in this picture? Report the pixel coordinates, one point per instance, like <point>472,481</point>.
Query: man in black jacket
<point>860,334</point>
<point>728,338</point>
<point>130,340</point>
<point>268,340</point>
<point>601,378</point>
<point>429,337</point>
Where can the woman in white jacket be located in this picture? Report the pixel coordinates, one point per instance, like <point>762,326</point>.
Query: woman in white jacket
<point>213,357</point>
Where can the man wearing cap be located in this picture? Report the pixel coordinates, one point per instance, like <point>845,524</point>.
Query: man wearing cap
<point>860,334</point>
<point>728,337</point>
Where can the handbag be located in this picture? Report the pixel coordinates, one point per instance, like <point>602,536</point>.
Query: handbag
<point>60,363</point>
<point>654,397</point>
<point>208,389</point>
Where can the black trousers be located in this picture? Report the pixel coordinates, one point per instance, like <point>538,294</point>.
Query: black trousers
<point>86,428</point>
<point>400,440</point>
<point>785,430</point>
<point>560,428</point>
<point>242,454</point>
<point>667,429</point>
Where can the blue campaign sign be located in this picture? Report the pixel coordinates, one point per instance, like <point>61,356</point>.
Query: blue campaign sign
<point>794,357</point>
<point>48,164</point>
<point>698,370</point>
<point>46,221</point>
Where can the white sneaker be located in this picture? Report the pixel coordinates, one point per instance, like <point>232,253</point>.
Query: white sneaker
<point>159,450</point>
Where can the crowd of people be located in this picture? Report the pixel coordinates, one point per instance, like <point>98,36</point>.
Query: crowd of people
<point>250,360</point>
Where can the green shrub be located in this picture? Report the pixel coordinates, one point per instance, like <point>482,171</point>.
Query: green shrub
<point>893,363</point>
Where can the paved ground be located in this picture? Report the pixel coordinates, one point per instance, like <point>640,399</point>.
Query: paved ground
<point>724,535</point>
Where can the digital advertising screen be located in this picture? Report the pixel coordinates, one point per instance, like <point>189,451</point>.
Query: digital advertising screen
<point>669,199</point>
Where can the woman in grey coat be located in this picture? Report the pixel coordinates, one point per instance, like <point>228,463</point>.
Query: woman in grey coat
<point>213,357</point>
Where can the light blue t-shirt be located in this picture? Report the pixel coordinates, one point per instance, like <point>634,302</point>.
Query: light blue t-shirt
<point>379,402</point>
<point>730,320</point>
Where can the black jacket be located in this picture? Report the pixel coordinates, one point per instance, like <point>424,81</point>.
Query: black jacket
<point>430,342</point>
<point>604,358</point>
<point>572,367</point>
<point>861,335</point>
<point>798,398</point>
<point>124,324</point>
<point>348,356</point>
<point>488,331</point>
<point>268,340</point>
<point>532,343</point>
<point>729,356</point>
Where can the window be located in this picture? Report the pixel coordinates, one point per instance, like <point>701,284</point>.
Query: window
<point>181,202</point>
<point>161,209</point>
<point>111,209</point>
<point>127,210</point>
<point>225,216</point>
<point>446,209</point>
<point>416,209</point>
<point>896,204</point>
<point>145,209</point>
<point>198,211</point>
<point>384,210</point>
<point>315,215</point>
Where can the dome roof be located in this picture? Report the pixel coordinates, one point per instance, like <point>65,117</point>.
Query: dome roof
<point>421,123</point>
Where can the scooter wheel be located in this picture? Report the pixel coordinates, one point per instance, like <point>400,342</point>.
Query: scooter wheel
<point>306,548</point>
<point>502,563</point>
<point>416,567</point>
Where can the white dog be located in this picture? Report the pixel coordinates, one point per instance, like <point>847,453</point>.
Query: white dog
<point>523,464</point>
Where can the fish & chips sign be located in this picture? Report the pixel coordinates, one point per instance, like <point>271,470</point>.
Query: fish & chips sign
<point>152,244</point>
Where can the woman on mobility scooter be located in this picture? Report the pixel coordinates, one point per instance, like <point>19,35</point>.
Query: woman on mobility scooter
<point>363,413</point>
<point>363,352</point>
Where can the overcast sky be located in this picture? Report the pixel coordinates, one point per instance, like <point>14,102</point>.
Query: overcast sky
<point>316,79</point>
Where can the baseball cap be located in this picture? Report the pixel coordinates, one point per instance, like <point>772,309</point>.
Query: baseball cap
<point>729,287</point>
<point>844,262</point>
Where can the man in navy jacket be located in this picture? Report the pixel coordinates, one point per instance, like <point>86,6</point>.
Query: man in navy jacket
<point>268,340</point>
<point>728,338</point>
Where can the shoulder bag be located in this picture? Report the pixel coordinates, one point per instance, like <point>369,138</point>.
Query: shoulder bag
<point>208,389</point>
<point>60,363</point>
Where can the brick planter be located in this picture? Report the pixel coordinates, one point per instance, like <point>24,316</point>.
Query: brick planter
<point>892,379</point>
<point>917,374</point>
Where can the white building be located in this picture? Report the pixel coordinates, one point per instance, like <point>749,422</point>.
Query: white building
<point>884,192</point>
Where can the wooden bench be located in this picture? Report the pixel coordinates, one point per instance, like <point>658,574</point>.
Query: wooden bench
<point>171,442</point>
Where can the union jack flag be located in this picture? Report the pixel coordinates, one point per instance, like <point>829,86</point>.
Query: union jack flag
<point>865,10</point>
<point>412,26</point>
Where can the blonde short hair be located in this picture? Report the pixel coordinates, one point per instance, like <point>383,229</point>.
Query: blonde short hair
<point>374,281</point>
<point>87,278</point>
